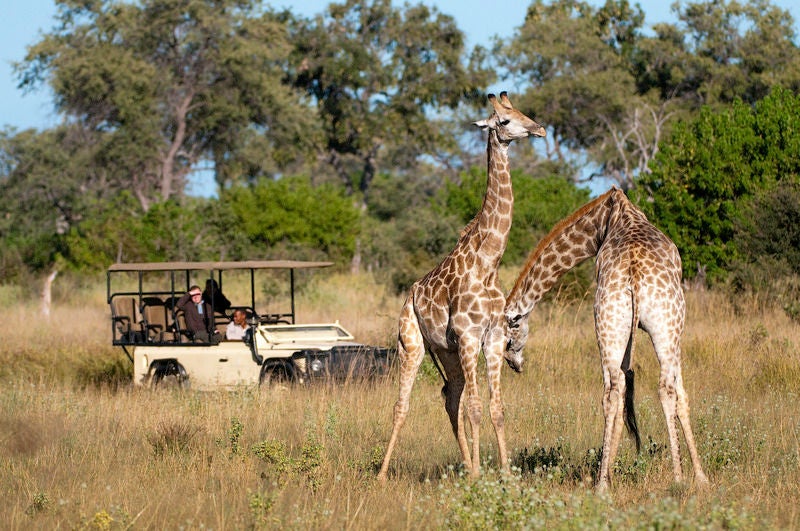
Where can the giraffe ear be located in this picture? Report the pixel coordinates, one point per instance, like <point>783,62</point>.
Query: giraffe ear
<point>483,124</point>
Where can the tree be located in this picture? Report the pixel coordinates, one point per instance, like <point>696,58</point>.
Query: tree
<point>720,51</point>
<point>577,77</point>
<point>709,172</point>
<point>44,181</point>
<point>47,189</point>
<point>170,83</point>
<point>378,75</point>
<point>609,93</point>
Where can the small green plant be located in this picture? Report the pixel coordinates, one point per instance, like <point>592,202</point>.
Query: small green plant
<point>308,464</point>
<point>39,504</point>
<point>331,422</point>
<point>274,453</point>
<point>260,504</point>
<point>555,464</point>
<point>101,520</point>
<point>234,437</point>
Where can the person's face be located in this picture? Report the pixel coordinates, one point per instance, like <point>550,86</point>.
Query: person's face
<point>196,296</point>
<point>238,318</point>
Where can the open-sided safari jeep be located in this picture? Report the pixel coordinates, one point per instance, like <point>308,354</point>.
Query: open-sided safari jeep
<point>150,328</point>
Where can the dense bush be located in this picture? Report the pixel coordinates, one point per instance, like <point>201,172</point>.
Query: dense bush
<point>709,177</point>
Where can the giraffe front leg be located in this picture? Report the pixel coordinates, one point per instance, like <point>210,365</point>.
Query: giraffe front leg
<point>468,354</point>
<point>493,352</point>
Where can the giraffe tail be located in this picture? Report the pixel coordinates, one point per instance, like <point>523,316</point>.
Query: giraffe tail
<point>629,410</point>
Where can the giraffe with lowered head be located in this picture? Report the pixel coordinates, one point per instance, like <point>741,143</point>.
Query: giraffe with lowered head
<point>638,284</point>
<point>457,309</point>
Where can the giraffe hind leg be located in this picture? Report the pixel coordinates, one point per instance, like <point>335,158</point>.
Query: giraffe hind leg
<point>454,405</point>
<point>683,416</point>
<point>668,396</point>
<point>410,352</point>
<point>613,406</point>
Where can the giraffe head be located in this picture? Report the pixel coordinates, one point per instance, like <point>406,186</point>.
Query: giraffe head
<point>507,122</point>
<point>516,337</point>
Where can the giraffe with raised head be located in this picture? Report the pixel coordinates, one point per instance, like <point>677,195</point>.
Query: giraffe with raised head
<point>638,284</point>
<point>456,310</point>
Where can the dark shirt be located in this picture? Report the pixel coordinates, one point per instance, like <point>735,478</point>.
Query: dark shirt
<point>194,321</point>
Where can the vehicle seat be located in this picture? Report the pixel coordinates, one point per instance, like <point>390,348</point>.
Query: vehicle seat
<point>124,314</point>
<point>155,315</point>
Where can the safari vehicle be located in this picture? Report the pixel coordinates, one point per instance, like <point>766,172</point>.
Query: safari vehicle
<point>147,324</point>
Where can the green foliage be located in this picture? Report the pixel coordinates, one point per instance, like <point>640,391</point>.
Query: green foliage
<point>260,504</point>
<point>610,91</point>
<point>538,205</point>
<point>377,74</point>
<point>713,167</point>
<point>769,267</point>
<point>307,465</point>
<point>40,503</point>
<point>160,86</point>
<point>509,502</point>
<point>290,209</point>
<point>274,453</point>
<point>369,98</point>
<point>770,228</point>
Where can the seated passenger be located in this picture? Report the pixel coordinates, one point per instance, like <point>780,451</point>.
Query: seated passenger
<point>237,328</point>
<point>199,316</point>
<point>213,296</point>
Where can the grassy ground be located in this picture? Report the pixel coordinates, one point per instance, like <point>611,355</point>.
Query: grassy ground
<point>81,449</point>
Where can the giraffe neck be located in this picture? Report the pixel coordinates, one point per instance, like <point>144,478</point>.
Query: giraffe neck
<point>571,241</point>
<point>493,222</point>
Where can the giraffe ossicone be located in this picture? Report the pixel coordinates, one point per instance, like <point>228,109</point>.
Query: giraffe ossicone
<point>638,285</point>
<point>456,310</point>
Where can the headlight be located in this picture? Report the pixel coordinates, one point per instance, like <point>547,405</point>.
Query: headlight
<point>316,365</point>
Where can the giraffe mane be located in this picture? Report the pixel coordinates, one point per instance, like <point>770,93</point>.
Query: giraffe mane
<point>556,231</point>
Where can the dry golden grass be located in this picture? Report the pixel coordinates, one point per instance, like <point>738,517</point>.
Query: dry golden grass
<point>77,455</point>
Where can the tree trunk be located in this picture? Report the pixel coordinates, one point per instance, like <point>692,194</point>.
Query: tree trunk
<point>355,263</point>
<point>168,164</point>
<point>47,293</point>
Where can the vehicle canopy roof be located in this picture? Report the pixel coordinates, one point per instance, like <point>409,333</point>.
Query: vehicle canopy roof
<point>216,266</point>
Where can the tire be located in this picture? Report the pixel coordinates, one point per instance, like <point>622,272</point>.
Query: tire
<point>276,375</point>
<point>169,374</point>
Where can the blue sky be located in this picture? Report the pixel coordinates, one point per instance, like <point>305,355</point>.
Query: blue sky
<point>24,21</point>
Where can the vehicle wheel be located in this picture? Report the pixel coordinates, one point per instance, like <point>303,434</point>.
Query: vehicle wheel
<point>169,374</point>
<point>276,375</point>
